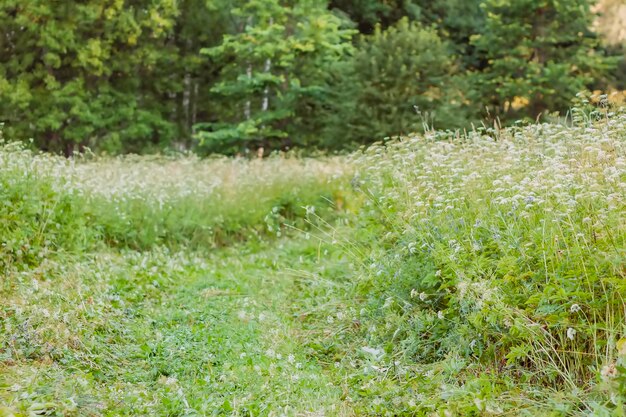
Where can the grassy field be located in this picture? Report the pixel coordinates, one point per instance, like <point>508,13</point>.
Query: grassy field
<point>441,275</point>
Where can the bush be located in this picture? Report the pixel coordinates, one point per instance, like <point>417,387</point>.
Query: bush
<point>398,82</point>
<point>39,212</point>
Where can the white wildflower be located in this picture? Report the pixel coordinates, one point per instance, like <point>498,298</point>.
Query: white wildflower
<point>571,333</point>
<point>608,372</point>
<point>376,353</point>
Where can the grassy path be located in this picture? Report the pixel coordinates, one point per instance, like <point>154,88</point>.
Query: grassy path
<point>229,341</point>
<point>184,336</point>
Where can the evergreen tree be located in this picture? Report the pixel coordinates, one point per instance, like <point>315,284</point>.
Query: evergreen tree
<point>397,82</point>
<point>367,14</point>
<point>540,53</point>
<point>186,80</point>
<point>455,20</point>
<point>273,74</point>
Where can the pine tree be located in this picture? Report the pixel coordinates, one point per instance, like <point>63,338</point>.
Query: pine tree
<point>273,70</point>
<point>539,55</point>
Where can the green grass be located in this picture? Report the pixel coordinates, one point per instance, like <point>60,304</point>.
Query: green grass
<point>164,333</point>
<point>442,275</point>
<point>497,259</point>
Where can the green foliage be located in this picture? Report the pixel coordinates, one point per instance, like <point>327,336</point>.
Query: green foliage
<point>50,204</point>
<point>273,72</point>
<point>503,258</point>
<point>455,20</point>
<point>539,54</point>
<point>399,80</point>
<point>75,69</point>
<point>479,275</point>
<point>218,76</point>
<point>369,13</point>
<point>122,77</point>
<point>117,300</point>
<point>36,218</point>
<point>159,333</point>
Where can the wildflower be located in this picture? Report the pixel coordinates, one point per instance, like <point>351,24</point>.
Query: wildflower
<point>376,353</point>
<point>440,315</point>
<point>413,293</point>
<point>168,380</point>
<point>608,372</point>
<point>574,308</point>
<point>571,333</point>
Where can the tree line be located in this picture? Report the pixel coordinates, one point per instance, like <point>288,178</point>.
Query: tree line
<point>235,76</point>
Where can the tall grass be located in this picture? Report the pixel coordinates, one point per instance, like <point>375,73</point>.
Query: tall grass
<point>503,250</point>
<point>50,203</point>
<point>111,305</point>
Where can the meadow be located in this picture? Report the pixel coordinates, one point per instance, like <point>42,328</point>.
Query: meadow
<point>445,274</point>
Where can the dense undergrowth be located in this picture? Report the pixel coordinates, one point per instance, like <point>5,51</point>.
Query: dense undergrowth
<point>475,274</point>
<point>497,260</point>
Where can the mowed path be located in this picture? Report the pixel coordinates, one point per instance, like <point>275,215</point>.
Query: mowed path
<point>221,338</point>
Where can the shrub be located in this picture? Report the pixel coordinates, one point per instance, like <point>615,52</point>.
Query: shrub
<point>398,82</point>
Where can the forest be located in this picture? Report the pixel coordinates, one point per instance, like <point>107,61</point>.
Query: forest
<point>231,77</point>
